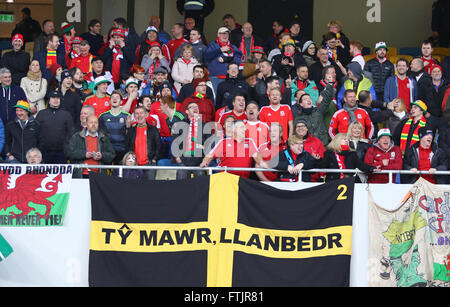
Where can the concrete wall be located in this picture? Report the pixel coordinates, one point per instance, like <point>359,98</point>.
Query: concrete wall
<point>401,23</point>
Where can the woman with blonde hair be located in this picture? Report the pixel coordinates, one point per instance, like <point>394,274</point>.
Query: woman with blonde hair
<point>356,139</point>
<point>183,68</point>
<point>339,156</point>
<point>35,88</point>
<point>399,113</point>
<point>129,159</point>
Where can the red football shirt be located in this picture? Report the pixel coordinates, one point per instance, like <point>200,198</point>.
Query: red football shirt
<point>232,153</point>
<point>101,105</point>
<point>281,115</point>
<point>257,131</point>
<point>404,91</point>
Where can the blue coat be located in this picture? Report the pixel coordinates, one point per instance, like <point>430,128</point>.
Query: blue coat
<point>8,99</point>
<point>391,89</point>
<point>2,136</point>
<point>213,53</point>
<point>41,56</point>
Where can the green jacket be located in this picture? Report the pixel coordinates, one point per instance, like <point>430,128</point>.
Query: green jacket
<point>76,151</point>
<point>316,120</point>
<point>311,90</point>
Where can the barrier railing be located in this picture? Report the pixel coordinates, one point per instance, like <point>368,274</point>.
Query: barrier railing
<point>211,170</point>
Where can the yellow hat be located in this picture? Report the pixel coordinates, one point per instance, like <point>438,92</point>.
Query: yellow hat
<point>23,105</point>
<point>422,105</point>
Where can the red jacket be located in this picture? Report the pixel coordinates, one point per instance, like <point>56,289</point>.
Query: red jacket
<point>375,156</point>
<point>341,121</point>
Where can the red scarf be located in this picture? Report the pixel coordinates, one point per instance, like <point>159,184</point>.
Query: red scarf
<point>199,96</point>
<point>244,50</point>
<point>341,162</point>
<point>230,52</point>
<point>152,68</point>
<point>115,70</point>
<point>192,137</point>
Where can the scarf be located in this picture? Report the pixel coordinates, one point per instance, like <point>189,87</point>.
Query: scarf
<point>115,70</point>
<point>34,76</point>
<point>405,132</point>
<point>244,49</point>
<point>341,163</point>
<point>324,84</point>
<point>154,66</point>
<point>51,58</point>
<point>198,95</point>
<point>332,53</point>
<point>351,112</point>
<point>192,137</point>
<point>230,52</point>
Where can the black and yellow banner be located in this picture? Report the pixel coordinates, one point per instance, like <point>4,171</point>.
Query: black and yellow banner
<point>219,231</point>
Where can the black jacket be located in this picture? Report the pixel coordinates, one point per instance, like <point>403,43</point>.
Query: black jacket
<point>351,161</point>
<point>284,71</point>
<point>283,164</point>
<point>19,139</point>
<point>380,72</point>
<point>71,102</point>
<point>411,160</point>
<point>56,129</point>
<point>18,63</point>
<point>227,90</point>
<point>153,142</point>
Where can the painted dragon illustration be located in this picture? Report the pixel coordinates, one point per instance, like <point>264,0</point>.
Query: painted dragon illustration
<point>25,191</point>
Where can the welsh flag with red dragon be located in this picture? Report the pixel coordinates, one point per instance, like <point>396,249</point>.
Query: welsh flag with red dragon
<point>34,195</point>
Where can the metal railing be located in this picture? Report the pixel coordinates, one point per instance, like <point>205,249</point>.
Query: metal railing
<point>211,170</point>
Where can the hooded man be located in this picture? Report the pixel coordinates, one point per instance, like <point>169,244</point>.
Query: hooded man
<point>356,81</point>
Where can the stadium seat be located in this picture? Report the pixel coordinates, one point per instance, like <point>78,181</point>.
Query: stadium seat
<point>412,51</point>
<point>369,57</point>
<point>394,58</point>
<point>443,52</point>
<point>392,50</point>
<point>5,51</point>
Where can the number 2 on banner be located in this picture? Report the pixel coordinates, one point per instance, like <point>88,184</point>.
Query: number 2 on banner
<point>343,189</point>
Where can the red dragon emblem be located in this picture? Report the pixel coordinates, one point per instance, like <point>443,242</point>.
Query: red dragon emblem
<point>25,191</point>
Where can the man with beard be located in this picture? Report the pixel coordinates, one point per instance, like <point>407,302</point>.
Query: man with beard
<point>401,85</point>
<point>380,68</point>
<point>70,100</point>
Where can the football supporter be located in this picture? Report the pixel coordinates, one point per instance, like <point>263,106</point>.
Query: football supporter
<point>237,151</point>
<point>278,113</point>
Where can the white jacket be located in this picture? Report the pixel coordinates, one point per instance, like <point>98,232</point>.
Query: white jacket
<point>35,92</point>
<point>182,71</point>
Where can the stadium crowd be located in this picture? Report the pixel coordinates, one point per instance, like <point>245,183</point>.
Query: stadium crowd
<point>283,102</point>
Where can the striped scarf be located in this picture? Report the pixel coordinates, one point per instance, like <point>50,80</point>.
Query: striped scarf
<point>51,57</point>
<point>405,132</point>
<point>192,137</point>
